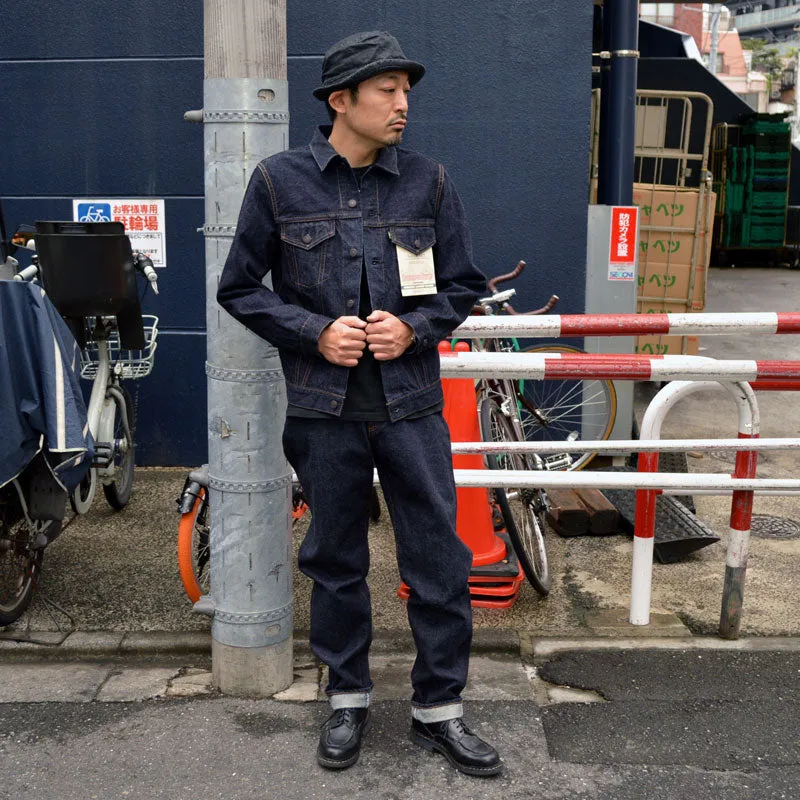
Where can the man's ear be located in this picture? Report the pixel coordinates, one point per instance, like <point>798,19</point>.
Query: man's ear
<point>337,102</point>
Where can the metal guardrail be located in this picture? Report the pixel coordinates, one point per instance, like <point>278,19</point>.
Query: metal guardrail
<point>688,374</point>
<point>555,325</point>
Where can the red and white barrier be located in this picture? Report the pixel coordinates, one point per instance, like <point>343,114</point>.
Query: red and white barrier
<point>690,373</point>
<point>556,326</point>
<point>554,366</point>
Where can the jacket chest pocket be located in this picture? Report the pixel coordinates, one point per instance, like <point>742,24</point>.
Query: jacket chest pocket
<point>306,248</point>
<point>414,238</point>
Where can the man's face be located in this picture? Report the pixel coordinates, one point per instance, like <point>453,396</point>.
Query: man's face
<point>378,115</point>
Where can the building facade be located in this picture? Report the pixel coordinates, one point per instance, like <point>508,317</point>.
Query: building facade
<point>98,101</point>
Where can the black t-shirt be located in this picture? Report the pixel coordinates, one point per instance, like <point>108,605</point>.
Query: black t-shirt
<point>364,400</point>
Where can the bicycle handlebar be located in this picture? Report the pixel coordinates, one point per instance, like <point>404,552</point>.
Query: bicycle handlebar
<point>145,266</point>
<point>509,276</point>
<point>505,305</point>
<point>545,309</point>
<point>27,274</point>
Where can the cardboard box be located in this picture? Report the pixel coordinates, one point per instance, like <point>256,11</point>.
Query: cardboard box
<point>667,206</point>
<point>671,247</point>
<point>667,345</point>
<point>665,255</point>
<point>670,283</point>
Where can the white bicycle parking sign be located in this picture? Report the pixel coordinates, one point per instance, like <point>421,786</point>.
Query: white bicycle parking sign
<point>143,219</point>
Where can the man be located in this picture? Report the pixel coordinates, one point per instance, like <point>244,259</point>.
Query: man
<point>371,266</point>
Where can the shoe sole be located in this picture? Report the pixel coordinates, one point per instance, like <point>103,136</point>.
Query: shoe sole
<point>434,747</point>
<point>329,763</point>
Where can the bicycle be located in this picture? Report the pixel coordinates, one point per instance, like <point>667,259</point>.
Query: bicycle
<point>524,410</point>
<point>117,341</point>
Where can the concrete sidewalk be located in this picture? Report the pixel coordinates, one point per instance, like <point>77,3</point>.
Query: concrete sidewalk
<point>619,723</point>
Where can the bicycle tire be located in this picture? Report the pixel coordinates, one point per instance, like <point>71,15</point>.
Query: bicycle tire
<point>118,491</point>
<point>20,566</point>
<point>523,510</point>
<point>194,549</point>
<point>582,409</point>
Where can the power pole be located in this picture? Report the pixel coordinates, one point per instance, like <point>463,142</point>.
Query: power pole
<point>716,9</point>
<point>246,118</point>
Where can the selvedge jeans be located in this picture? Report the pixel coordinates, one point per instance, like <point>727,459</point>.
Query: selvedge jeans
<point>334,462</point>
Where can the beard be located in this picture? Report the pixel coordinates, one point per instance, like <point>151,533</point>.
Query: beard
<point>396,138</point>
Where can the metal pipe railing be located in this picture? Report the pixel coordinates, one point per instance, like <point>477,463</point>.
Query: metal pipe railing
<point>544,366</point>
<point>623,446</point>
<point>576,325</point>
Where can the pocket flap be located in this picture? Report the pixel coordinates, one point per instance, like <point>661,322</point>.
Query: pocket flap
<point>415,238</point>
<point>307,235</point>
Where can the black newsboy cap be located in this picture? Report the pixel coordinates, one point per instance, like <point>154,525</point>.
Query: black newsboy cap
<point>361,56</point>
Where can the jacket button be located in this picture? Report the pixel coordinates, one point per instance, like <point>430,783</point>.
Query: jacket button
<point>352,203</point>
<point>306,237</point>
<point>353,252</point>
<point>351,303</point>
<point>416,243</point>
<point>334,403</point>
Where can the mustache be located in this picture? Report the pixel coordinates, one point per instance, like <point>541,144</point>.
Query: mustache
<point>401,118</point>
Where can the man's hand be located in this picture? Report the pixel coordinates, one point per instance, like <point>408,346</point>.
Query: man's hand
<point>387,336</point>
<point>343,341</point>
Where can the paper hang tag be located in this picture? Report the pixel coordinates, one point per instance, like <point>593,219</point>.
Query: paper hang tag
<point>417,274</point>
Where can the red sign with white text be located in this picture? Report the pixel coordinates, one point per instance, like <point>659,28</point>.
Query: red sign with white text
<point>622,257</point>
<point>623,234</point>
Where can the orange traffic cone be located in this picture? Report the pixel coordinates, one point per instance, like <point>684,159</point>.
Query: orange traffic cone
<point>474,514</point>
<point>496,576</point>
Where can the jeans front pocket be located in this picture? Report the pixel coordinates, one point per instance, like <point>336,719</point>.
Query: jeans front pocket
<point>305,247</point>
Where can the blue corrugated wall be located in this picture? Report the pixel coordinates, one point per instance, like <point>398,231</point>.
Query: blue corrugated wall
<point>93,96</point>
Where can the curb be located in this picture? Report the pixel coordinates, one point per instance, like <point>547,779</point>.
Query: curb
<point>165,645</point>
<point>182,645</point>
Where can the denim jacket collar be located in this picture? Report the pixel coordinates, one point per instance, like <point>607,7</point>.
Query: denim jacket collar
<point>324,153</point>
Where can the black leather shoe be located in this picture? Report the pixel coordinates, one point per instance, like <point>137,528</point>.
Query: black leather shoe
<point>340,740</point>
<point>467,752</point>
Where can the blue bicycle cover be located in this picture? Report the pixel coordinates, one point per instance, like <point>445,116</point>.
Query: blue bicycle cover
<point>41,404</point>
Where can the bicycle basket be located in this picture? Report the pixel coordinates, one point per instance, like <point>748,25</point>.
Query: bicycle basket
<point>135,363</point>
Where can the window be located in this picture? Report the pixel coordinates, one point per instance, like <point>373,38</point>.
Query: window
<point>751,98</point>
<point>661,13</point>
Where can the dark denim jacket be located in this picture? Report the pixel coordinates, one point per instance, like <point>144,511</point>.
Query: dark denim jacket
<point>305,220</point>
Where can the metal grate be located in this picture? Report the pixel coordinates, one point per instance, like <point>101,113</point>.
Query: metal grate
<point>767,526</point>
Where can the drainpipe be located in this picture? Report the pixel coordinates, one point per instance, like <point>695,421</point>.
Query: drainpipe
<point>618,102</point>
<point>246,118</point>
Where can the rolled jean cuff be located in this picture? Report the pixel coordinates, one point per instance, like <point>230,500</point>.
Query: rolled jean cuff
<point>350,700</point>
<point>438,713</point>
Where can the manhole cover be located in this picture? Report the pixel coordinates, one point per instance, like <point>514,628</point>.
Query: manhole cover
<point>765,526</point>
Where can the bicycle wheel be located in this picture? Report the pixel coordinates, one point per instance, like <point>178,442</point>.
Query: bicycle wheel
<point>20,565</point>
<point>566,410</point>
<point>194,549</point>
<point>118,491</point>
<point>523,510</point>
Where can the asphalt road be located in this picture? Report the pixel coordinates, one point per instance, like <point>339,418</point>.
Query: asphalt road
<point>674,724</point>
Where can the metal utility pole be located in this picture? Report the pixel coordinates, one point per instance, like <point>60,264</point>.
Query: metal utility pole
<point>246,118</point>
<point>716,10</point>
<point>618,109</point>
